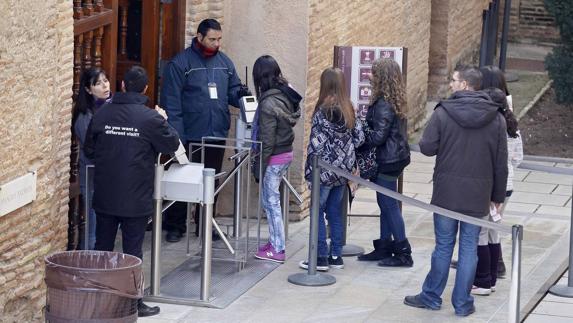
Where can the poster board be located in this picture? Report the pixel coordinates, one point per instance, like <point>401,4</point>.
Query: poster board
<point>356,64</point>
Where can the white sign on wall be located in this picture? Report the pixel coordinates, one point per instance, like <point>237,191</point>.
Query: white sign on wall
<point>17,193</point>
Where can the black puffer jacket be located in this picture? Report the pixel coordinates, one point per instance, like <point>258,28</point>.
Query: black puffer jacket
<point>389,136</point>
<point>468,136</point>
<point>279,111</point>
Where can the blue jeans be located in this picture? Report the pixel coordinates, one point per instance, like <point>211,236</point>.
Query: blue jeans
<point>330,206</point>
<point>272,204</point>
<point>91,219</point>
<point>445,230</point>
<point>391,221</point>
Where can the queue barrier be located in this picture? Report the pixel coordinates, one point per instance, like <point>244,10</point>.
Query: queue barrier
<point>312,278</point>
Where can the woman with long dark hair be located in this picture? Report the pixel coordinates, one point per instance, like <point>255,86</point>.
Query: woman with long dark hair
<point>334,134</point>
<point>93,93</point>
<point>277,114</point>
<point>386,119</point>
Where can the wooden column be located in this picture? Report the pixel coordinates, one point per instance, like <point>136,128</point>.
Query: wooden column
<point>78,44</point>
<point>87,61</point>
<point>97,46</point>
<point>78,11</point>
<point>88,8</point>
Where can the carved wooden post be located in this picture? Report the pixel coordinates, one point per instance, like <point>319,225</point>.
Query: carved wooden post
<point>78,44</point>
<point>98,5</point>
<point>78,13</point>
<point>123,29</point>
<point>88,7</point>
<point>88,49</point>
<point>97,46</point>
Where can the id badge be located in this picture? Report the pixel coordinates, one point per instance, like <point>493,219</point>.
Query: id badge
<point>212,90</point>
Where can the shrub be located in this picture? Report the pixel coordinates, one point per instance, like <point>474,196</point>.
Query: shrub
<point>559,64</point>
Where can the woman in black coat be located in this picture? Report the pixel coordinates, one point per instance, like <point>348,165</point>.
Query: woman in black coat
<point>387,123</point>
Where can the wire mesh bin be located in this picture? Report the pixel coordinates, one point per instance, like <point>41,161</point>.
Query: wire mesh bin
<point>92,286</point>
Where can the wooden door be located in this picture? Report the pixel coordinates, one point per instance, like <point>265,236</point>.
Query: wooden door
<point>115,35</point>
<point>146,29</point>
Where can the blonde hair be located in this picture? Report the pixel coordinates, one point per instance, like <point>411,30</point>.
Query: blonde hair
<point>387,83</point>
<point>333,95</point>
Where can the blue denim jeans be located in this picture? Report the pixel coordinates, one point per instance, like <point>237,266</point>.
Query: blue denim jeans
<point>391,221</point>
<point>91,219</point>
<point>272,204</point>
<point>330,206</point>
<point>445,230</point>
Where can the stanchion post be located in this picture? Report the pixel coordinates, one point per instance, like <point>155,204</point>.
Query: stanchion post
<point>156,239</point>
<point>566,290</point>
<point>515,289</point>
<point>208,200</point>
<point>312,278</point>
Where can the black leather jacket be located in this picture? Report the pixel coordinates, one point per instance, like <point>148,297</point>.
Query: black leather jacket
<point>389,135</point>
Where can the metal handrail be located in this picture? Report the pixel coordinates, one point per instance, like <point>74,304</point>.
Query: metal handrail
<point>293,190</point>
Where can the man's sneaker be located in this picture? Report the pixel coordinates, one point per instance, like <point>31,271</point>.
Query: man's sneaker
<point>480,291</point>
<point>321,264</point>
<point>271,255</point>
<point>335,262</point>
<point>265,247</point>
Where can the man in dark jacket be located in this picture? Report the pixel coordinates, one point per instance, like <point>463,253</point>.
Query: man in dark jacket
<point>467,135</point>
<point>123,140</point>
<point>198,86</point>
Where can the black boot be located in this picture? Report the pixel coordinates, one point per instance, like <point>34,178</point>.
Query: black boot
<point>382,249</point>
<point>402,255</point>
<point>482,278</point>
<point>500,266</point>
<point>143,310</point>
<point>494,251</point>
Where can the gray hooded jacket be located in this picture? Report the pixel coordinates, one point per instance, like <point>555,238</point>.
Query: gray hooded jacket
<point>467,135</point>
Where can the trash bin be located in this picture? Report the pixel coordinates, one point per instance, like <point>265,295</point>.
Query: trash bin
<point>92,286</point>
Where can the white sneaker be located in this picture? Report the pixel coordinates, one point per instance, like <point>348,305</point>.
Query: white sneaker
<point>480,291</point>
<point>492,289</point>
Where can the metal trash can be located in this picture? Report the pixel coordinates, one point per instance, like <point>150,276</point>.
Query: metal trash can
<point>92,286</point>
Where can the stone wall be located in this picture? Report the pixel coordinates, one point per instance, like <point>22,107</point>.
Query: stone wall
<point>530,22</point>
<point>197,10</point>
<point>36,64</point>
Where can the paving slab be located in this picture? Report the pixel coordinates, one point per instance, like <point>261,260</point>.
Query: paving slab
<point>519,186</point>
<point>554,210</point>
<point>563,190</point>
<point>539,177</point>
<point>539,198</point>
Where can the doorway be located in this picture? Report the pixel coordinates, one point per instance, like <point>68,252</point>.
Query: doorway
<point>115,35</point>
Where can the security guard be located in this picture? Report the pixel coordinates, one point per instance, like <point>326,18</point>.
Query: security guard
<point>123,140</point>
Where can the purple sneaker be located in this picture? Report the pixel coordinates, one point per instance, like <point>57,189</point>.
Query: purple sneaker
<point>265,247</point>
<point>271,255</point>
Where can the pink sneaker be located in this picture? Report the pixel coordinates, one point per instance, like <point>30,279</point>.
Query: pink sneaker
<point>266,247</point>
<point>271,255</point>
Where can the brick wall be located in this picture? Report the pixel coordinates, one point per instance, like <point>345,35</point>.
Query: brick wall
<point>455,37</point>
<point>530,21</point>
<point>36,54</point>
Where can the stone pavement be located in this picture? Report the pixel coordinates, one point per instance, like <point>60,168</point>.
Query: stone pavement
<point>365,292</point>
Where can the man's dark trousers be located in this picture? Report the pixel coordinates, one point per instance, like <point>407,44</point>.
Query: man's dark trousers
<point>132,233</point>
<point>176,215</point>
